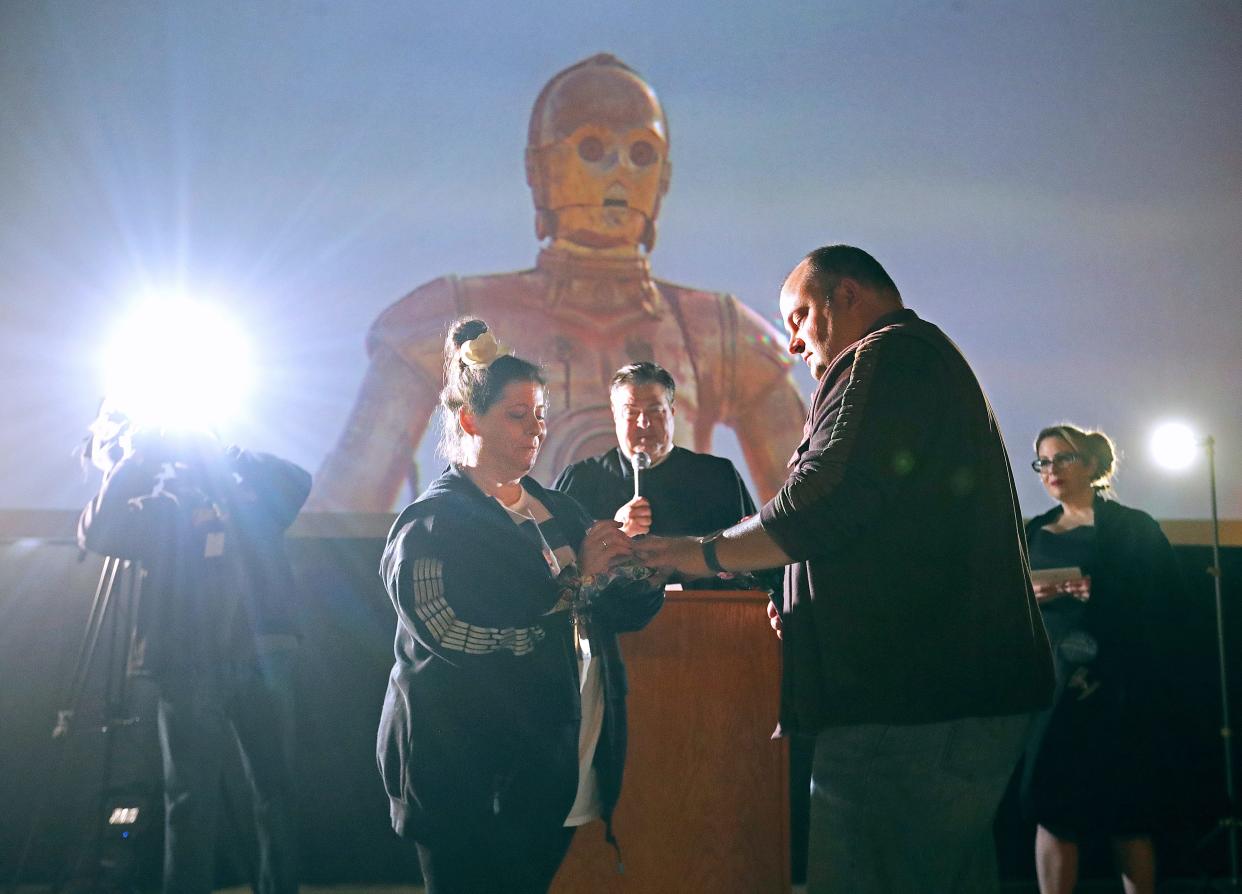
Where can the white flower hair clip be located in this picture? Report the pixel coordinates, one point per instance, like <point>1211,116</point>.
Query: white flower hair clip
<point>481,351</point>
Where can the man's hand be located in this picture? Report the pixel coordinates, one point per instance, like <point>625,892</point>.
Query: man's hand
<point>681,554</point>
<point>774,618</point>
<point>635,517</point>
<point>1079,588</point>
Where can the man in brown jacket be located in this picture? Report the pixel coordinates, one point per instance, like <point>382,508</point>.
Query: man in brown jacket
<point>913,650</point>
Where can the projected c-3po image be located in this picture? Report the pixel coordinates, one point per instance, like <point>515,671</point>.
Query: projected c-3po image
<point>597,161</point>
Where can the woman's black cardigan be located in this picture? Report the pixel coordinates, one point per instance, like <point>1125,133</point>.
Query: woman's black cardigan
<point>1136,594</point>
<point>481,719</point>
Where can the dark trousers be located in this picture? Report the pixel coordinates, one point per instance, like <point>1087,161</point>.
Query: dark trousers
<point>908,809</point>
<point>499,859</point>
<point>250,707</point>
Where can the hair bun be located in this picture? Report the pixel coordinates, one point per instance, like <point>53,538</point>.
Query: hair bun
<point>481,351</point>
<point>464,331</point>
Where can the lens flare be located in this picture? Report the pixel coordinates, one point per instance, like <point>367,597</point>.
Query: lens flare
<point>177,363</point>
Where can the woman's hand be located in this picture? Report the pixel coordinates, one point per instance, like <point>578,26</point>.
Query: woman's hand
<point>1079,588</point>
<point>605,544</point>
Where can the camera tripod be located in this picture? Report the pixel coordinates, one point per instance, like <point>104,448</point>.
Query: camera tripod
<point>117,817</point>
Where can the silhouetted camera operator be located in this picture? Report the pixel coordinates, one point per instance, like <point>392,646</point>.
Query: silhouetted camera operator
<point>215,626</point>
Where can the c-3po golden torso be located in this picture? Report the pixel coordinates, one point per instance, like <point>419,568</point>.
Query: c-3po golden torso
<point>597,164</point>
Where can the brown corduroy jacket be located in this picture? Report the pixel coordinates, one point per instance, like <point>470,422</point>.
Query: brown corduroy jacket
<point>910,598</point>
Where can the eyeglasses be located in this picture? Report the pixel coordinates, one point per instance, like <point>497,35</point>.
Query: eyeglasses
<point>1059,461</point>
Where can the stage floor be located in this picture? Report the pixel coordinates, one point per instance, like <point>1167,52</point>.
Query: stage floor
<point>1171,886</point>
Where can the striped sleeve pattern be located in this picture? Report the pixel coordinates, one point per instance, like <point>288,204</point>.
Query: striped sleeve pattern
<point>453,634</point>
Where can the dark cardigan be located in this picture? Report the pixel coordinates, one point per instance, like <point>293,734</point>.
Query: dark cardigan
<point>481,719</point>
<point>1136,584</point>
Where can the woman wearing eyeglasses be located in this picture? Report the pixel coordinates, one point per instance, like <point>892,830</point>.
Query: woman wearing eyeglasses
<point>1102,573</point>
<point>503,728</point>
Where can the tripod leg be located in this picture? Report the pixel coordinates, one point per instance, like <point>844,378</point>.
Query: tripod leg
<point>86,651</point>
<point>60,734</point>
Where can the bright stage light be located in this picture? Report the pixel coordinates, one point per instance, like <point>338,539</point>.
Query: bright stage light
<point>177,363</point>
<point>1175,446</point>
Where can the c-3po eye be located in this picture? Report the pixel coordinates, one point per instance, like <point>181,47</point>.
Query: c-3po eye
<point>642,153</point>
<point>591,149</point>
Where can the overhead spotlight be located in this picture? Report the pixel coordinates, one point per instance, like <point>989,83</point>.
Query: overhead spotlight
<point>1175,446</point>
<point>177,363</point>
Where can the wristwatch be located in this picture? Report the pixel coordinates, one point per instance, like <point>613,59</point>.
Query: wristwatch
<point>708,545</point>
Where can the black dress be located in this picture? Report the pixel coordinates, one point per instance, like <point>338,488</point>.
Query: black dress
<point>1089,765</point>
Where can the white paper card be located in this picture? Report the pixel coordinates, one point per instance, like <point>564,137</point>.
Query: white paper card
<point>215,545</point>
<point>1055,575</point>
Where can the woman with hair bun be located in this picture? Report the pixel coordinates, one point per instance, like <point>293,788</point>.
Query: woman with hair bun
<point>503,728</point>
<point>1102,573</point>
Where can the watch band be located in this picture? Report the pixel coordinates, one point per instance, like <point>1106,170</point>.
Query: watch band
<point>708,545</point>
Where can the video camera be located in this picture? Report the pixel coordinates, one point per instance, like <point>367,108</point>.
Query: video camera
<point>114,436</point>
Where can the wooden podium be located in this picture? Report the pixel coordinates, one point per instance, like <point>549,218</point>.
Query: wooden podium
<point>705,804</point>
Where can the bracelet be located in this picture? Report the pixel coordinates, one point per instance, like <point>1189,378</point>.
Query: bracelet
<point>708,545</point>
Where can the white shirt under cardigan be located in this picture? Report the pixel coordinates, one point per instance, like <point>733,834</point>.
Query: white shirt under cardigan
<point>587,805</point>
